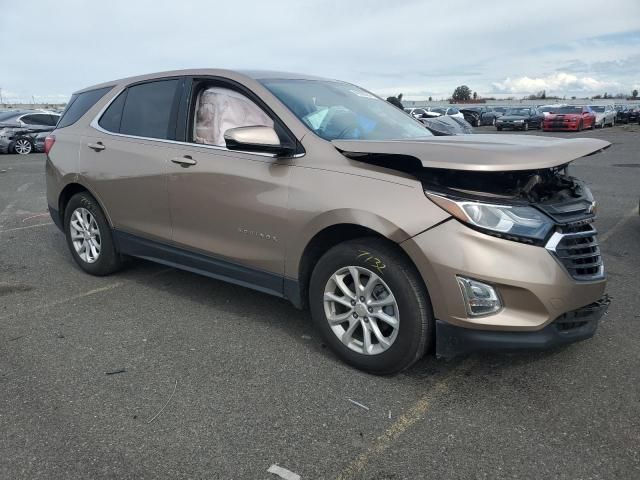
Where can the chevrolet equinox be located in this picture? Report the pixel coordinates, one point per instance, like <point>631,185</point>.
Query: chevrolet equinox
<point>318,191</point>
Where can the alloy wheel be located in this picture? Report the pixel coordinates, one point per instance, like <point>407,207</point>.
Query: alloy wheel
<point>361,310</point>
<point>22,146</point>
<point>85,235</point>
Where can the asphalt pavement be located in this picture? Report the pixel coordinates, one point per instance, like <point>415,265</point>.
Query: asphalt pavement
<point>158,373</point>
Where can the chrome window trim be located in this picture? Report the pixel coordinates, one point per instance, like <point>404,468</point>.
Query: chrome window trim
<point>94,124</point>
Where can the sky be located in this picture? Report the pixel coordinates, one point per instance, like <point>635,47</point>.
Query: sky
<point>420,48</point>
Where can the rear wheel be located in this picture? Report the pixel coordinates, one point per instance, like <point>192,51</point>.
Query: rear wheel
<point>23,146</point>
<point>89,236</point>
<point>371,306</point>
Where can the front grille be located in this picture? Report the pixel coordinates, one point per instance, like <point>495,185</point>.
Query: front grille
<point>576,247</point>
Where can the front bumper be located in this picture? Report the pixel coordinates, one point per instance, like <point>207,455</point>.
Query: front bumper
<point>535,288</point>
<point>567,126</point>
<point>510,125</point>
<point>573,326</point>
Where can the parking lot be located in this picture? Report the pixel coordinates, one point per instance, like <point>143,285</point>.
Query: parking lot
<point>159,373</point>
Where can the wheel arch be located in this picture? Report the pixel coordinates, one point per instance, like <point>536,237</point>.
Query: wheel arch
<point>72,189</point>
<point>320,243</point>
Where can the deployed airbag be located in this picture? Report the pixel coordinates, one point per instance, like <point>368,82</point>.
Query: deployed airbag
<point>220,109</point>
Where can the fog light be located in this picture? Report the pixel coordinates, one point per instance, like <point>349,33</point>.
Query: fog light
<point>479,298</point>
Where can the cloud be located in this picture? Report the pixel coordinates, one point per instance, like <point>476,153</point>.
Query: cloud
<point>560,82</point>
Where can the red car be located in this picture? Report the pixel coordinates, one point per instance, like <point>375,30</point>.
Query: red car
<point>570,117</point>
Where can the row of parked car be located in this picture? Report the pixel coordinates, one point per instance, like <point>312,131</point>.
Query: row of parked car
<point>24,131</point>
<point>545,117</point>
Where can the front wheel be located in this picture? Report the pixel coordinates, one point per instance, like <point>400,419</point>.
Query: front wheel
<point>89,236</point>
<point>371,307</point>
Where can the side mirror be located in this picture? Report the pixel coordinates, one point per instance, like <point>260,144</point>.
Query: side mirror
<point>255,139</point>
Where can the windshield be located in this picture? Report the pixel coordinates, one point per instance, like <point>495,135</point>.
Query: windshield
<point>335,110</point>
<point>569,110</point>
<point>597,109</point>
<point>518,111</point>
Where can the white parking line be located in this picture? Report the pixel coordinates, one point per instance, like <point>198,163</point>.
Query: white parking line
<point>24,228</point>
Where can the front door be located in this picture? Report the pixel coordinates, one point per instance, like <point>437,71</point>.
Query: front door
<point>228,206</point>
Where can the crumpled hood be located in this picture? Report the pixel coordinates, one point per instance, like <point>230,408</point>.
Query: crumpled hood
<point>489,153</point>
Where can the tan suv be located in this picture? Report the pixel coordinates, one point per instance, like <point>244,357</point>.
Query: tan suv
<point>320,192</point>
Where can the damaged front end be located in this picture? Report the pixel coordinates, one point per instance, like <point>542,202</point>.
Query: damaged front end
<point>517,189</point>
<point>547,207</point>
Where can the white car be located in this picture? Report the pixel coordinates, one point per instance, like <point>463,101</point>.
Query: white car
<point>451,111</point>
<point>416,112</point>
<point>605,115</point>
<point>549,109</point>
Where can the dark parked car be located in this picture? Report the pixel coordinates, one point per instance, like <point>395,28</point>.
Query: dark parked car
<point>447,125</point>
<point>622,113</point>
<point>478,116</point>
<point>18,129</point>
<point>634,114</point>
<point>521,118</point>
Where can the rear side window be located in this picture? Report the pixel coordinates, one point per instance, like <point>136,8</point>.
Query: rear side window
<point>40,119</point>
<point>79,105</point>
<point>112,117</point>
<point>148,109</point>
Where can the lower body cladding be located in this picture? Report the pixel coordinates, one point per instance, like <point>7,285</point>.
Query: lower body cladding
<point>542,306</point>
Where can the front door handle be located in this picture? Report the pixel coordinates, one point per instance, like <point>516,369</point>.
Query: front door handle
<point>98,146</point>
<point>185,161</point>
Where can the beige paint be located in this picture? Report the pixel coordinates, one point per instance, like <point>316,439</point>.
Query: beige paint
<point>262,212</point>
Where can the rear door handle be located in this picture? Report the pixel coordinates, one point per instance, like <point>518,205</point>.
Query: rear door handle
<point>185,161</point>
<point>98,146</point>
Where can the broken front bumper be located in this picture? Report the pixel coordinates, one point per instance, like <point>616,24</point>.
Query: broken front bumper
<point>537,290</point>
<point>574,326</point>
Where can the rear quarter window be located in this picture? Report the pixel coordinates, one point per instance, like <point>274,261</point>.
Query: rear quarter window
<point>79,104</point>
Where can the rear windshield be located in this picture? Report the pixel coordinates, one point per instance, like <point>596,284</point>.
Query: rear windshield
<point>597,109</point>
<point>79,104</point>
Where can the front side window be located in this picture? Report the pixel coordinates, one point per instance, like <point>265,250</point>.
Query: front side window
<point>336,110</point>
<point>219,109</point>
<point>148,109</point>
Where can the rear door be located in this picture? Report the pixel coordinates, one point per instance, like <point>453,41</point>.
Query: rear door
<point>125,153</point>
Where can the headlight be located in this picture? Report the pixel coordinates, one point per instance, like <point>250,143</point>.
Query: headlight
<point>505,220</point>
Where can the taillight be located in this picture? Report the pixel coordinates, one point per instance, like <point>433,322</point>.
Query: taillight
<point>48,143</point>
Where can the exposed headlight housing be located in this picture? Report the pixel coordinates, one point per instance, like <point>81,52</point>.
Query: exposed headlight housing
<point>513,222</point>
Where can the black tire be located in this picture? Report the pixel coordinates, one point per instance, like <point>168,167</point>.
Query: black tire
<point>416,325</point>
<point>580,126</point>
<point>499,129</point>
<point>108,260</point>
